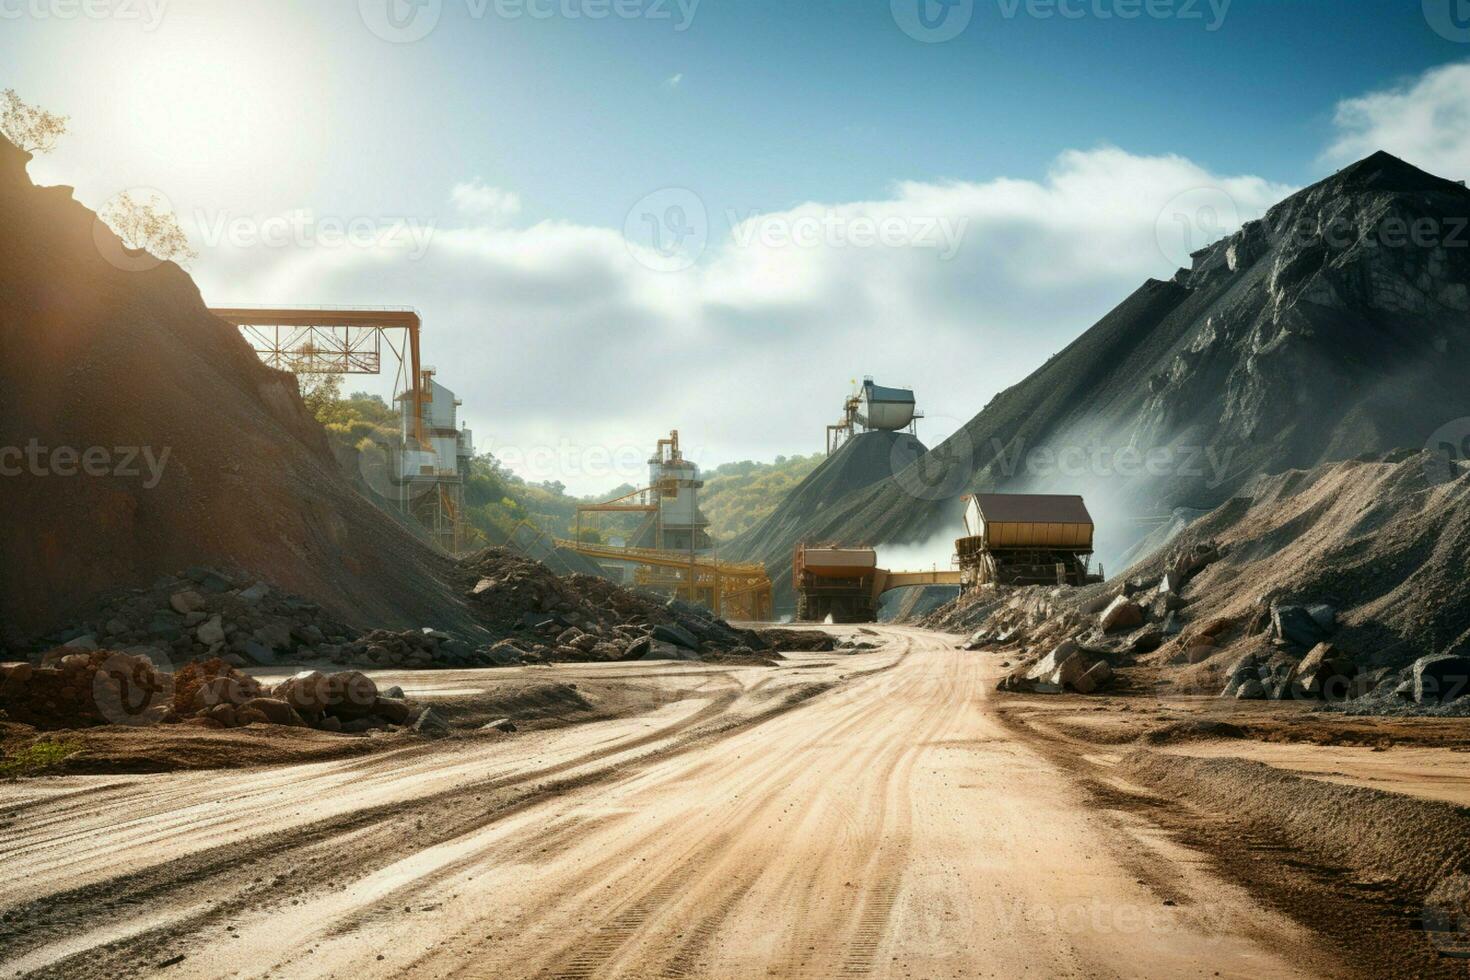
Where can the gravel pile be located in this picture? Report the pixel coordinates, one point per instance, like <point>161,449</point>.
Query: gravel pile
<point>203,613</point>
<point>524,613</point>
<point>1345,583</point>
<point>540,617</point>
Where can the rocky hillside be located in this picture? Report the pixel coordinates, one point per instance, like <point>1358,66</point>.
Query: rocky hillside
<point>1337,325</point>
<point>1354,571</point>
<point>155,440</point>
<point>805,513</point>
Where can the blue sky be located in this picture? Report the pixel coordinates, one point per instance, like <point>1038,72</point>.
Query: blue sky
<point>1043,133</point>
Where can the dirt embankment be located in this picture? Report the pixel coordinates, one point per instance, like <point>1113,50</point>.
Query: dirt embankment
<point>201,454</point>
<point>1380,873</point>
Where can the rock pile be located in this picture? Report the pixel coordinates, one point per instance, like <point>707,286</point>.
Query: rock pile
<point>527,612</point>
<point>1065,668</point>
<point>1254,628</point>
<point>206,613</point>
<point>214,694</point>
<point>541,617</point>
<point>78,689</point>
<point>71,689</point>
<point>1088,632</point>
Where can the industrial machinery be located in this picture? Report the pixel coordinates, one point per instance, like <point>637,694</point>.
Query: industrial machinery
<point>732,590</point>
<point>671,552</point>
<point>1025,539</point>
<point>835,582</point>
<point>432,463</point>
<point>846,583</point>
<point>429,464</point>
<point>678,524</point>
<point>873,408</point>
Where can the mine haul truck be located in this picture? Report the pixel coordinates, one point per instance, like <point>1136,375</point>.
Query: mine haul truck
<point>836,582</point>
<point>1025,539</point>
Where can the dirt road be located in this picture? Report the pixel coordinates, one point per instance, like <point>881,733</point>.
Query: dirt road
<point>872,818</point>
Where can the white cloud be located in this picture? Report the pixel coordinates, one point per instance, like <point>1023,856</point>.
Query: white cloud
<point>477,199</point>
<point>1425,121</point>
<point>562,343</point>
<point>674,81</point>
<point>568,351</point>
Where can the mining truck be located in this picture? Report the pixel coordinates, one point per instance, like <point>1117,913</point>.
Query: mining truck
<point>835,582</point>
<point>1025,539</point>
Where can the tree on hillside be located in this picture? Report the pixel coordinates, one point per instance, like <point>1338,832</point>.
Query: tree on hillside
<point>29,127</point>
<point>321,393</point>
<point>147,223</point>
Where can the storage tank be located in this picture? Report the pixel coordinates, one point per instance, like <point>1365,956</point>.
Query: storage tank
<point>885,409</point>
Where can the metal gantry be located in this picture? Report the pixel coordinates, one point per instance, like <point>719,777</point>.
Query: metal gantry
<point>328,340</point>
<point>339,340</point>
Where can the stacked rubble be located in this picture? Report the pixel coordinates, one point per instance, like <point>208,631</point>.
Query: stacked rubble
<point>79,689</point>
<point>527,615</point>
<point>541,617</point>
<point>215,694</point>
<point>204,613</point>
<point>71,689</point>
<point>1088,632</point>
<point>1343,585</point>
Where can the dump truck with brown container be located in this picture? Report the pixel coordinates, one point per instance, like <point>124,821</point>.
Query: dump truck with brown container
<point>1025,539</point>
<point>835,582</point>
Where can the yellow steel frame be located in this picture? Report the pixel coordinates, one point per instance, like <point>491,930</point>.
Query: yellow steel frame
<point>737,590</point>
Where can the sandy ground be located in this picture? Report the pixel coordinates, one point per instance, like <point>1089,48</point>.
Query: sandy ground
<point>1430,774</point>
<point>835,816</point>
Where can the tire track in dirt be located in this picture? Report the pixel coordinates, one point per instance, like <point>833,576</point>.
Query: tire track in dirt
<point>758,794</point>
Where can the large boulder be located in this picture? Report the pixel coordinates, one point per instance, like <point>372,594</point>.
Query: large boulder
<point>431,723</point>
<point>275,712</point>
<point>233,691</point>
<point>1245,669</point>
<point>1094,678</point>
<point>394,710</point>
<point>677,635</point>
<point>503,654</point>
<point>1303,626</point>
<point>1251,689</point>
<point>638,649</point>
<point>350,694</point>
<point>186,602</point>
<point>1440,678</point>
<point>1120,615</point>
<point>1069,671</point>
<point>211,632</point>
<point>1326,672</point>
<point>1044,668</point>
<point>307,692</point>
